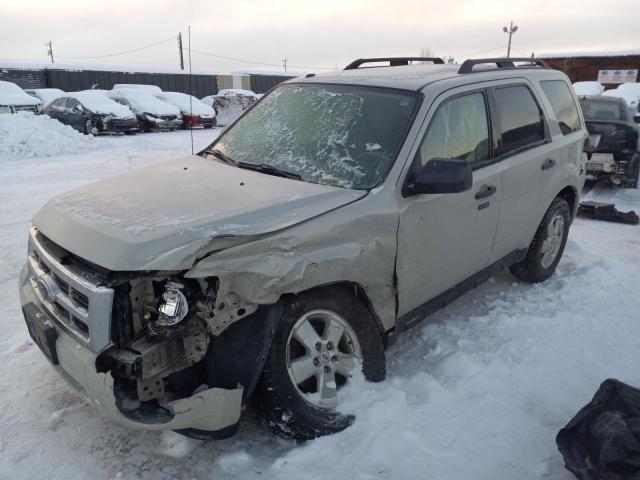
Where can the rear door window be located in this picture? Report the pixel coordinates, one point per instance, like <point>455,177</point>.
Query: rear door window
<point>563,104</point>
<point>520,122</point>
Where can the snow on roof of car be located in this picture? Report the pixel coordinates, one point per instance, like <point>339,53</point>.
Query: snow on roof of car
<point>227,92</point>
<point>46,95</point>
<point>100,103</point>
<point>181,100</point>
<point>142,101</point>
<point>12,94</point>
<point>138,86</point>
<point>588,88</point>
<point>630,98</point>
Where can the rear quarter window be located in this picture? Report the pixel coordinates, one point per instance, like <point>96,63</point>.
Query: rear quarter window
<point>520,123</point>
<point>563,105</point>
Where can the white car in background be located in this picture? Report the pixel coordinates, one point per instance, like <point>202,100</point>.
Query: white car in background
<point>152,113</point>
<point>628,93</point>
<point>230,103</point>
<point>588,88</point>
<point>194,112</point>
<point>13,99</point>
<point>45,95</point>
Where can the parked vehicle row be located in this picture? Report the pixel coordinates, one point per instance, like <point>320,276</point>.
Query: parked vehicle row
<point>127,108</point>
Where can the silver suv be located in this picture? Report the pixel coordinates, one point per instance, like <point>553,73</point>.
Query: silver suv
<point>336,213</point>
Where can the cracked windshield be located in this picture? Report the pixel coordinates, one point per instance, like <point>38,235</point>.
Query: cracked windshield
<point>336,135</point>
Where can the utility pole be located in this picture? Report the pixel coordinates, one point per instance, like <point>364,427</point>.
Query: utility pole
<point>284,63</point>
<point>50,50</point>
<point>180,50</point>
<point>511,30</point>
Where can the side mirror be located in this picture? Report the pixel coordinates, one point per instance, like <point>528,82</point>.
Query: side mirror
<point>78,108</point>
<point>442,175</point>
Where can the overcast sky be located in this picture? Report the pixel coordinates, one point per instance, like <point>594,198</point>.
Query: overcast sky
<point>310,34</point>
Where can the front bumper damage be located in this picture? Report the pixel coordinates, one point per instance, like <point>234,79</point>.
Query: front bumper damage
<point>209,409</point>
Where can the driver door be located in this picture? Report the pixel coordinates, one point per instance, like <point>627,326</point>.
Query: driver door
<point>445,238</point>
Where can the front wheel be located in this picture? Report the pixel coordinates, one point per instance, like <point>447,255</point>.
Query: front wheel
<point>322,339</point>
<point>89,128</point>
<point>547,246</point>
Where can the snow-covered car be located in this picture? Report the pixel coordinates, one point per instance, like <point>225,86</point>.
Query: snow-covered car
<point>629,94</point>
<point>194,112</point>
<point>45,95</point>
<point>229,104</point>
<point>13,99</point>
<point>153,89</point>
<point>286,256</point>
<point>152,113</point>
<point>616,154</point>
<point>588,88</point>
<point>93,113</point>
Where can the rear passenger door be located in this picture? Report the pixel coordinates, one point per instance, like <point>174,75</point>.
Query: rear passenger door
<point>525,153</point>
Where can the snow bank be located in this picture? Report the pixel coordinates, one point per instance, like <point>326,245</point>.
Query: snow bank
<point>26,135</point>
<point>588,88</point>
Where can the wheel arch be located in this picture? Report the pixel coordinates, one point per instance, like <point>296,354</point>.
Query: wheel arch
<point>354,289</point>
<point>570,195</point>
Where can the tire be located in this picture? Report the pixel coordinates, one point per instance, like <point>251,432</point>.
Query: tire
<point>547,245</point>
<point>279,399</point>
<point>88,127</point>
<point>634,172</point>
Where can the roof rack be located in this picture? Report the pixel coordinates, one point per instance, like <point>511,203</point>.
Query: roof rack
<point>393,61</point>
<point>467,65</point>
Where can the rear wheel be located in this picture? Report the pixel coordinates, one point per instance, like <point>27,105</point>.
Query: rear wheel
<point>322,339</point>
<point>547,246</point>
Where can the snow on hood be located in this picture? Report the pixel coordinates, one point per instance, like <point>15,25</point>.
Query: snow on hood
<point>182,206</point>
<point>12,94</point>
<point>181,100</point>
<point>588,88</point>
<point>142,101</point>
<point>101,104</point>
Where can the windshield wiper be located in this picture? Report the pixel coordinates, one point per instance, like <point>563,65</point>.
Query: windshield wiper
<point>269,170</point>
<point>222,156</point>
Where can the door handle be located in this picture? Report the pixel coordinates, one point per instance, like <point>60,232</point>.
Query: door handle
<point>485,191</point>
<point>548,163</point>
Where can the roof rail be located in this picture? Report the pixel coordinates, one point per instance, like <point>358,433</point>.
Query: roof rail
<point>393,61</point>
<point>467,65</point>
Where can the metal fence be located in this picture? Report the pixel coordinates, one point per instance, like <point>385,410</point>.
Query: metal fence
<point>75,80</point>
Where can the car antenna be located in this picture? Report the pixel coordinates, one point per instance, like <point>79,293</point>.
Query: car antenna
<point>190,92</point>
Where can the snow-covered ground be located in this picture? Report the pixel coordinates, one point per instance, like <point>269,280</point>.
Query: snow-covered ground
<point>477,393</point>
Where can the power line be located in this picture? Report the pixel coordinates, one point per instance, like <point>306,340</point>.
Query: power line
<point>173,37</point>
<point>258,63</point>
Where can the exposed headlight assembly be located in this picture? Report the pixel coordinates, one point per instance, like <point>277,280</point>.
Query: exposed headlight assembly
<point>174,306</point>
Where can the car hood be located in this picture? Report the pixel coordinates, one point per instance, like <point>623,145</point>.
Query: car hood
<point>18,100</point>
<point>167,216</point>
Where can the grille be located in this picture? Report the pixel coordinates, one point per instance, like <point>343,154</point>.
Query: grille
<point>71,292</point>
<point>25,108</point>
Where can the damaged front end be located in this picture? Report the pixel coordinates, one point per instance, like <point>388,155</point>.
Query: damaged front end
<point>155,363</point>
